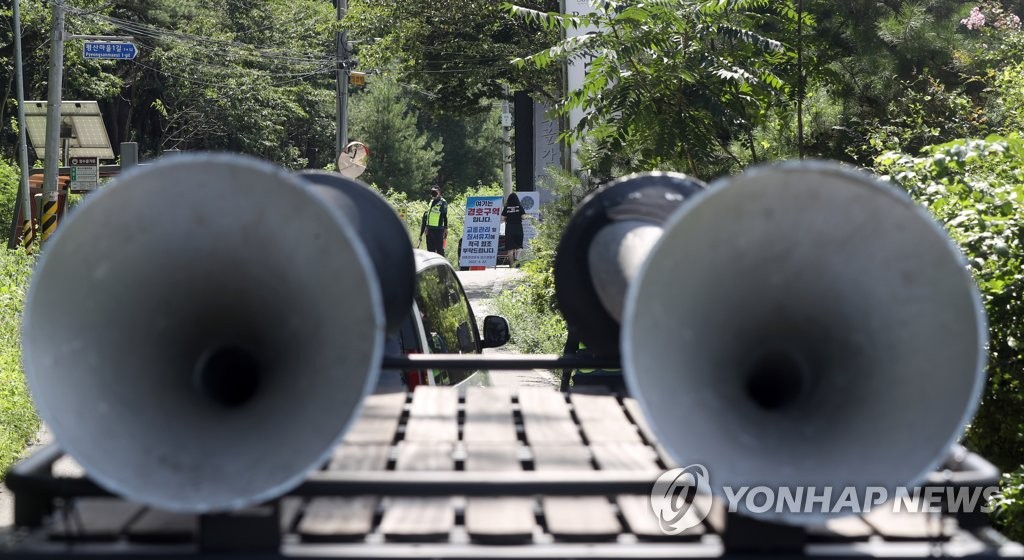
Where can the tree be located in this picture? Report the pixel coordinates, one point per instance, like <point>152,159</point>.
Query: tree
<point>472,147</point>
<point>402,158</point>
<point>669,83</point>
<point>455,52</point>
<point>253,77</point>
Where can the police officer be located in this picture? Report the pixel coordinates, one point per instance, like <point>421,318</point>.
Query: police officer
<point>435,222</point>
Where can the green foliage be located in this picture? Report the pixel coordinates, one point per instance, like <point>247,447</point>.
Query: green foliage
<point>776,137</point>
<point>472,148</point>
<point>926,113</point>
<point>532,331</point>
<point>976,188</point>
<point>531,307</point>
<point>10,177</point>
<point>411,213</point>
<point>668,81</point>
<point>260,64</point>
<point>401,159</point>
<point>1008,505</point>
<point>17,415</point>
<point>1006,108</point>
<point>453,53</point>
<point>254,77</point>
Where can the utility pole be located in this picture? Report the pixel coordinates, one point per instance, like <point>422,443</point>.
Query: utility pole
<point>343,70</point>
<point>51,165</point>
<point>24,195</point>
<point>506,145</point>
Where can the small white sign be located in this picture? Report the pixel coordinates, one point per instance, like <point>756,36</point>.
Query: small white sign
<point>480,232</point>
<point>530,201</point>
<point>531,205</point>
<point>85,173</point>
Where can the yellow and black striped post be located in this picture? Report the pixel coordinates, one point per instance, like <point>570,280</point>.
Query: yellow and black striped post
<point>28,235</point>
<point>48,216</point>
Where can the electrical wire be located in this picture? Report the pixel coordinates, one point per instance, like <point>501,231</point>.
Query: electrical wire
<point>198,81</point>
<point>154,32</point>
<point>223,63</point>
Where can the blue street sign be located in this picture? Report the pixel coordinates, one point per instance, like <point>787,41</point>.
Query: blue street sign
<point>107,49</point>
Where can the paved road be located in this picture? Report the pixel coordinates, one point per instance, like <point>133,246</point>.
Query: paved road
<point>482,286</point>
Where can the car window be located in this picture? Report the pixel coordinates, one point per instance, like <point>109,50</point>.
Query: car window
<point>403,341</point>
<point>447,318</point>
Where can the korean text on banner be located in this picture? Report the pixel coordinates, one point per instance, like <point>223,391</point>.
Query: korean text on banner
<point>480,232</point>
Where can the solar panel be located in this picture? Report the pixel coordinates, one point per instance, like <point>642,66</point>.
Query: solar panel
<point>88,133</point>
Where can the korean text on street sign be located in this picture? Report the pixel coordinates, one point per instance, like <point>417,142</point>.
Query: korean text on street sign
<point>85,173</point>
<point>107,49</point>
<point>480,231</point>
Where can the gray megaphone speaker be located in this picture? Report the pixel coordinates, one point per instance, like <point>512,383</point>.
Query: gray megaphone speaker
<point>200,332</point>
<point>603,246</point>
<point>804,325</point>
<point>383,233</point>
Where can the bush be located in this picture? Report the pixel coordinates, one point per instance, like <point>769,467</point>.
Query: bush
<point>533,331</point>
<point>926,113</point>
<point>411,212</point>
<point>1008,506</point>
<point>976,189</point>
<point>531,308</point>
<point>17,415</point>
<point>10,176</point>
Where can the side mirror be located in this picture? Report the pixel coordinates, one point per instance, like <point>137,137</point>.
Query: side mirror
<point>495,332</point>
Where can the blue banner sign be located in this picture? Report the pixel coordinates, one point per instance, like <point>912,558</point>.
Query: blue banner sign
<point>109,50</point>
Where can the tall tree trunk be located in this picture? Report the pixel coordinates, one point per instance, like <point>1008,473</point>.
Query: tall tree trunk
<point>800,77</point>
<point>3,106</point>
<point>753,149</point>
<point>689,160</point>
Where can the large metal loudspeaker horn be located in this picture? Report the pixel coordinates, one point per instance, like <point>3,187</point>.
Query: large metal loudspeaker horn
<point>200,333</point>
<point>805,325</point>
<point>603,247</point>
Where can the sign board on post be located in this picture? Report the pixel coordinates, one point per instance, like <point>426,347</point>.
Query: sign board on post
<point>531,204</point>
<point>85,173</point>
<point>109,50</point>
<point>480,232</point>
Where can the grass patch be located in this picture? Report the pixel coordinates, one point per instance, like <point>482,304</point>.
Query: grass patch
<point>534,330</point>
<point>18,420</point>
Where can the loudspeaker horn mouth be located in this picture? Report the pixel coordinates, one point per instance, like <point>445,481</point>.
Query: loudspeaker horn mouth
<point>199,333</point>
<point>804,325</point>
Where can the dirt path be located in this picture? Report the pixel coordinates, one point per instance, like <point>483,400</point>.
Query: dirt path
<point>482,287</point>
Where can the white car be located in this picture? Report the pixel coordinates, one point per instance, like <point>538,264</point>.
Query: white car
<point>441,321</point>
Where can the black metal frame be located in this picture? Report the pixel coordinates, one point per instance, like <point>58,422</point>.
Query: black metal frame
<point>37,490</point>
<point>497,362</point>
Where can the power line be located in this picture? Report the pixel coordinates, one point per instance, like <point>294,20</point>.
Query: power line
<point>198,81</point>
<point>154,32</point>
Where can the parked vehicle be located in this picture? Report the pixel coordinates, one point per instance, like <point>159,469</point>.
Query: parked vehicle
<point>441,321</point>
